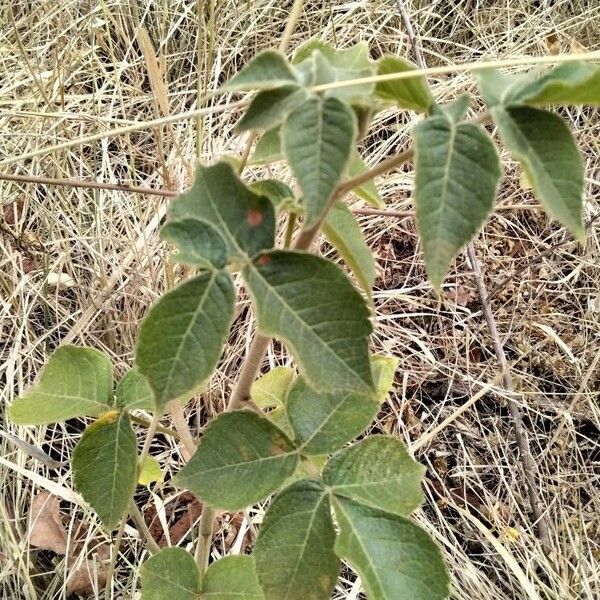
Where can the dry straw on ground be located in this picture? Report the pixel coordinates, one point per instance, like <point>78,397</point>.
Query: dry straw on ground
<point>83,265</point>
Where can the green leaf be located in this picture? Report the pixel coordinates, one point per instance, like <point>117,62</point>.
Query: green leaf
<point>268,148</point>
<point>305,50</point>
<point>294,552</point>
<point>182,337</point>
<point>317,140</point>
<point>134,392</point>
<point>278,193</point>
<point>367,191</point>
<point>266,71</point>
<point>270,108</point>
<point>241,459</point>
<point>198,243</point>
<point>105,467</point>
<point>411,93</point>
<point>244,219</point>
<point>325,422</point>
<point>542,143</point>
<point>272,389</point>
<point>457,173</point>
<point>322,423</point>
<point>150,471</point>
<point>569,83</point>
<point>396,560</point>
<point>343,231</point>
<point>171,574</point>
<point>231,578</point>
<point>377,472</point>
<point>75,382</point>
<point>309,303</point>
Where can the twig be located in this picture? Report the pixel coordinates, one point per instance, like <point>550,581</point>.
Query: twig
<point>140,524</point>
<point>530,470</point>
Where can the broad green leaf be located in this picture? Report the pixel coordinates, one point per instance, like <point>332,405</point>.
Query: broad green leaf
<point>569,83</point>
<point>244,219</point>
<point>266,71</point>
<point>272,389</point>
<point>198,243</point>
<point>411,93</point>
<point>457,173</point>
<point>343,231</point>
<point>270,108</point>
<point>278,193</point>
<point>542,143</point>
<point>305,50</point>
<point>323,423</point>
<point>268,148</point>
<point>182,337</point>
<point>134,392</point>
<point>171,574</point>
<point>150,471</point>
<point>75,382</point>
<point>317,140</point>
<point>309,303</point>
<point>294,552</point>
<point>231,578</point>
<point>367,191</point>
<point>105,467</point>
<point>396,559</point>
<point>377,472</point>
<point>241,459</point>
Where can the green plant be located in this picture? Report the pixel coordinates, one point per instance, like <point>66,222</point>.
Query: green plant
<point>288,433</point>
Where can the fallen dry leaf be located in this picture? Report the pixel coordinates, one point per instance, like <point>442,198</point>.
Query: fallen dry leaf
<point>45,526</point>
<point>87,577</point>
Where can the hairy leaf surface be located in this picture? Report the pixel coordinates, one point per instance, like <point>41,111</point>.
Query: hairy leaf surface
<point>231,578</point>
<point>105,467</point>
<point>75,382</point>
<point>411,93</point>
<point>395,559</point>
<point>134,392</point>
<point>171,574</point>
<point>265,71</point>
<point>542,143</point>
<point>377,472</point>
<point>241,459</point>
<point>309,303</point>
<point>198,243</point>
<point>244,219</point>
<point>457,173</point>
<point>294,552</point>
<point>317,141</point>
<point>182,337</point>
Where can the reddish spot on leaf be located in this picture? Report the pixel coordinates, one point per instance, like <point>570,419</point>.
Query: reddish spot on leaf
<point>255,217</point>
<point>263,260</point>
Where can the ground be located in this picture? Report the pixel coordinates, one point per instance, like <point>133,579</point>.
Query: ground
<point>84,265</point>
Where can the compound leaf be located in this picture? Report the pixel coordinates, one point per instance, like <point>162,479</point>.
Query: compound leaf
<point>377,472</point>
<point>343,231</point>
<point>294,552</point>
<point>310,303</point>
<point>105,467</point>
<point>270,108</point>
<point>266,71</point>
<point>231,578</point>
<point>241,459</point>
<point>198,243</point>
<point>244,219</point>
<point>317,141</point>
<point>411,93</point>
<point>395,558</point>
<point>182,337</point>
<point>542,143</point>
<point>322,423</point>
<point>457,172</point>
<point>75,382</point>
<point>134,392</point>
<point>171,574</point>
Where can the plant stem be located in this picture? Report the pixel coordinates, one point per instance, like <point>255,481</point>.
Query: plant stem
<point>182,427</point>
<point>140,524</point>
<point>159,428</point>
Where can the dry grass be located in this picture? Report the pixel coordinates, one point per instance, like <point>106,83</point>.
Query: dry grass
<point>76,68</point>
